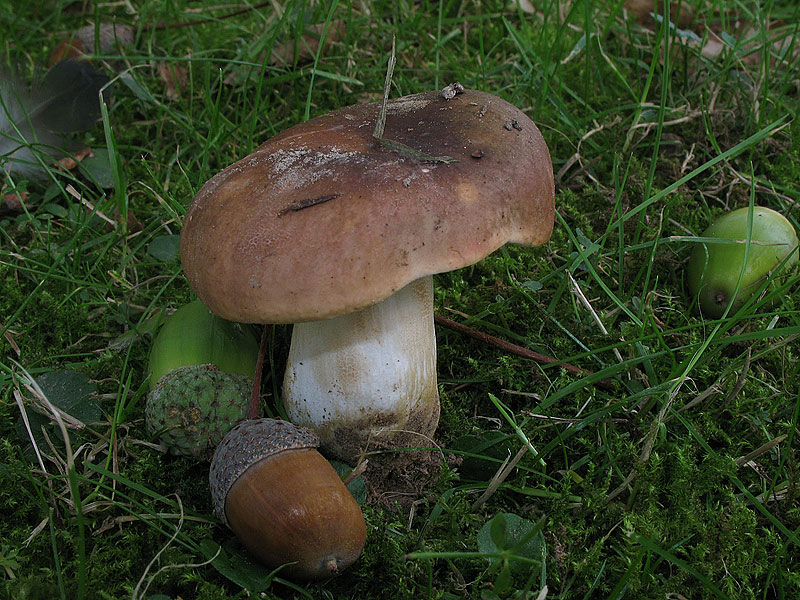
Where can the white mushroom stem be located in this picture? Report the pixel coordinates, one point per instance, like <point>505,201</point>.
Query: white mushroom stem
<point>367,380</point>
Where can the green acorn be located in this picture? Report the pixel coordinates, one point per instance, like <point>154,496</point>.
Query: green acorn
<point>200,373</point>
<point>192,408</point>
<point>713,269</point>
<point>193,335</point>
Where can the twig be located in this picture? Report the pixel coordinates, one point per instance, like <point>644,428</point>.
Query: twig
<point>297,205</point>
<point>252,412</point>
<point>380,124</point>
<point>518,350</point>
<point>358,470</point>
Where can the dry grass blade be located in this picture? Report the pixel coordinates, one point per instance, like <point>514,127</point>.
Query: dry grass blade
<point>23,413</point>
<point>743,460</point>
<point>740,380</point>
<point>136,595</point>
<point>499,477</point>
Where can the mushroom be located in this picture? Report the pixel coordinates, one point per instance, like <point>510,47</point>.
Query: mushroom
<point>339,232</point>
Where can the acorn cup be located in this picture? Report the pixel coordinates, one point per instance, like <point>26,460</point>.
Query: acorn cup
<point>200,373</point>
<point>284,501</point>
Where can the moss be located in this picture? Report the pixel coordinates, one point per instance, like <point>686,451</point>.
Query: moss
<point>72,287</point>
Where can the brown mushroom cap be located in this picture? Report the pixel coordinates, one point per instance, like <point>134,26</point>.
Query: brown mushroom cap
<point>323,220</point>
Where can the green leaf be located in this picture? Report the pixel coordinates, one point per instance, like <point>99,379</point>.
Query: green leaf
<point>37,422</point>
<point>147,325</point>
<point>55,209</point>
<point>165,248</point>
<point>98,168</point>
<point>484,453</point>
<point>504,580</point>
<point>67,390</point>
<point>532,285</point>
<point>73,393</point>
<point>519,539</point>
<point>237,567</point>
<point>497,533</point>
<point>357,487</point>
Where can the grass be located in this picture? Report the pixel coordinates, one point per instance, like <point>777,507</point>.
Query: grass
<point>681,483</point>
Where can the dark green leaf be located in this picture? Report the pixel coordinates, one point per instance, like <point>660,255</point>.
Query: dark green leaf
<point>73,393</point>
<point>495,446</point>
<point>165,248</point>
<point>98,168</point>
<point>55,209</point>
<point>239,568</point>
<point>357,487</point>
<point>497,533</point>
<point>67,390</point>
<point>518,537</point>
<point>504,580</point>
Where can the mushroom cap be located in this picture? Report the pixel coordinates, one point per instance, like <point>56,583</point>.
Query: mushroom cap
<point>323,220</point>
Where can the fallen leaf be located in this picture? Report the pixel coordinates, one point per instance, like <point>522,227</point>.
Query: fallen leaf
<point>308,45</point>
<point>13,203</point>
<point>9,335</point>
<point>70,162</point>
<point>109,36</point>
<point>746,40</point>
<point>69,48</point>
<point>705,30</point>
<point>175,78</point>
<point>525,6</point>
<point>679,13</point>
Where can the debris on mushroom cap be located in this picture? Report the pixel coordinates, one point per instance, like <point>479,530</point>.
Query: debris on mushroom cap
<point>246,444</point>
<point>322,220</point>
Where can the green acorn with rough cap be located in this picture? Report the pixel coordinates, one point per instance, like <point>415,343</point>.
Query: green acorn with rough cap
<point>200,373</point>
<point>193,335</point>
<point>714,268</point>
<point>191,408</point>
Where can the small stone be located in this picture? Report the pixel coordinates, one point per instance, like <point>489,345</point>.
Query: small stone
<point>452,90</point>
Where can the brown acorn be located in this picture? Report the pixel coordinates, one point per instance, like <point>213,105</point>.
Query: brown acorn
<point>284,501</point>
